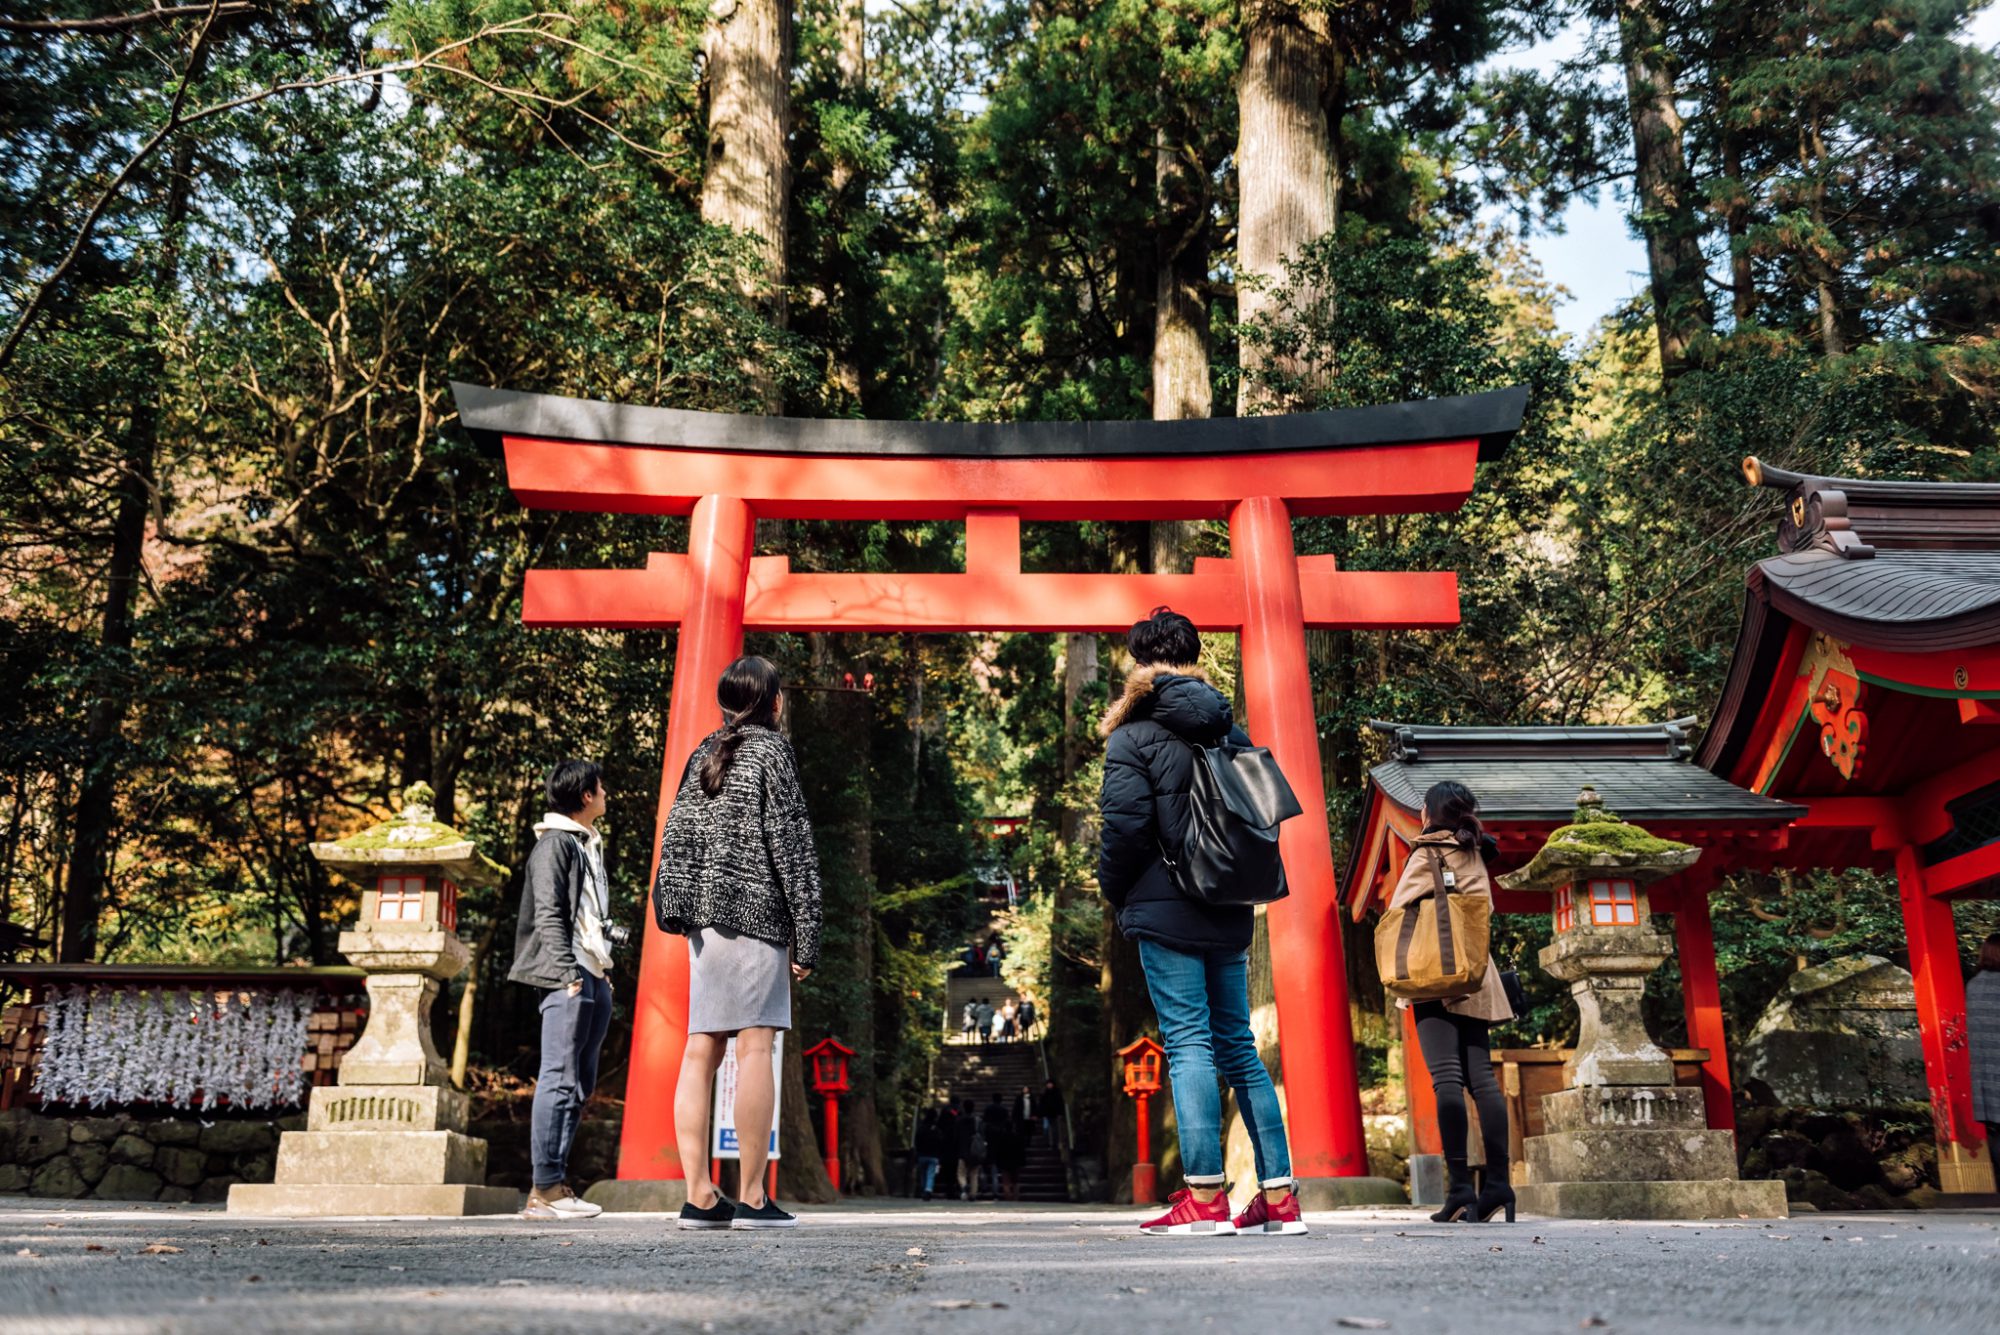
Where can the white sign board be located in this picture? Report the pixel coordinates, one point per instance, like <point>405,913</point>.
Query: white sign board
<point>723,1144</point>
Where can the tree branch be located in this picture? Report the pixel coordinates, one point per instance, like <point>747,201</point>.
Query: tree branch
<point>122,22</point>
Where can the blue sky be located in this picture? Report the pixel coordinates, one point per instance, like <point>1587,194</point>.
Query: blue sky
<point>1596,257</point>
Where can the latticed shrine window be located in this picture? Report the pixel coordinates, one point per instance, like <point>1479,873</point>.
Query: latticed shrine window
<point>448,906</point>
<point>402,899</point>
<point>1565,909</point>
<point>1614,904</point>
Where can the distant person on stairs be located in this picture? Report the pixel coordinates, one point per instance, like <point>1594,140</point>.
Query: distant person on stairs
<point>1028,1015</point>
<point>929,1147</point>
<point>971,1149</point>
<point>1195,955</point>
<point>983,1015</point>
<point>1010,1021</point>
<point>1051,1109</point>
<point>971,1025</point>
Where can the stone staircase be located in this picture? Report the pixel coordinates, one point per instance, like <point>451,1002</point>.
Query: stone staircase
<point>978,1071</point>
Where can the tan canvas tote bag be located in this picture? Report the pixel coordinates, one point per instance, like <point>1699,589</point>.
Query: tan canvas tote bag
<point>1435,947</point>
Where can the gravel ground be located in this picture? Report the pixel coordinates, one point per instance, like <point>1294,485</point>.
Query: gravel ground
<point>87,1270</point>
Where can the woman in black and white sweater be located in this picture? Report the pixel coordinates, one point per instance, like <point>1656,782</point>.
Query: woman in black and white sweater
<point>740,879</point>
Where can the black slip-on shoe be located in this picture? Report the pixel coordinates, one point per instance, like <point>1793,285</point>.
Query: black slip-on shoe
<point>717,1215</point>
<point>767,1215</point>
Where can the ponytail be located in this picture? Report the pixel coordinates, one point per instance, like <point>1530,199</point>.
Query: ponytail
<point>748,694</point>
<point>1451,807</point>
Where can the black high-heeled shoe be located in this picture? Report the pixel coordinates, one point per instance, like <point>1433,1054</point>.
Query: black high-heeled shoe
<point>1495,1195</point>
<point>1461,1199</point>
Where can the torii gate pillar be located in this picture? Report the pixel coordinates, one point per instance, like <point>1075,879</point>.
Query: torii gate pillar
<point>1308,973</point>
<point>720,539</point>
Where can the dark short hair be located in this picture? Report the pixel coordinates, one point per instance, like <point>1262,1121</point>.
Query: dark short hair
<point>571,783</point>
<point>1989,954</point>
<point>1165,636</point>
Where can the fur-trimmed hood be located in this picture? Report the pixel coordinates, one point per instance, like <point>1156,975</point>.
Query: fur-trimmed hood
<point>1177,696</point>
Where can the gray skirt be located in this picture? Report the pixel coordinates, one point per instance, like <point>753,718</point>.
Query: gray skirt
<point>737,982</point>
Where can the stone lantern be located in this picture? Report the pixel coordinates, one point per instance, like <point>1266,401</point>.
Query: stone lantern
<point>1623,1141</point>
<point>389,1138</point>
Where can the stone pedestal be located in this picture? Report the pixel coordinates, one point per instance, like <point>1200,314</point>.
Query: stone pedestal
<point>1638,1152</point>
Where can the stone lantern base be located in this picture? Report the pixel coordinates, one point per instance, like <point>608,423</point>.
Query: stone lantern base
<point>1638,1152</point>
<point>379,1150</point>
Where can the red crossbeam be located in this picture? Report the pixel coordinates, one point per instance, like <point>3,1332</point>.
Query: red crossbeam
<point>785,600</point>
<point>1378,479</point>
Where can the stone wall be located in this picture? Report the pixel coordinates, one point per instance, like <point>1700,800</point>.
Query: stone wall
<point>126,1157</point>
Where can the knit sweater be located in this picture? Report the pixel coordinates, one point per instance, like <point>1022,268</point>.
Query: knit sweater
<point>743,859</point>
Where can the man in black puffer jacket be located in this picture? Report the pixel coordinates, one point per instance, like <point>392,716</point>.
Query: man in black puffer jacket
<point>1195,955</point>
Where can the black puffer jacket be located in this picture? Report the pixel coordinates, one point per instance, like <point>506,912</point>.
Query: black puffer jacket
<point>1148,769</point>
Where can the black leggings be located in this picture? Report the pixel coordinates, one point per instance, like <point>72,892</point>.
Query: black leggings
<point>1455,1051</point>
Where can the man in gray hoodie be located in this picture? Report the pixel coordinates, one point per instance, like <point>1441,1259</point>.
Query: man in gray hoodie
<point>562,945</point>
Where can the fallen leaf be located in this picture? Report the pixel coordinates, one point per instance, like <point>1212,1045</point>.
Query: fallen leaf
<point>1591,1321</point>
<point>263,1242</point>
<point>570,1243</point>
<point>512,1284</point>
<point>95,1247</point>
<point>159,1249</point>
<point>1781,1237</point>
<point>253,1279</point>
<point>913,1251</point>
<point>966,1304</point>
<point>1496,1249</point>
<point>396,1267</point>
<point>56,1225</point>
<point>1363,1323</point>
<point>25,1251</point>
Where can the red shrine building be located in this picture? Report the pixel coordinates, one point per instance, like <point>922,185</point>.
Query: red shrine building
<point>1866,689</point>
<point>725,472</point>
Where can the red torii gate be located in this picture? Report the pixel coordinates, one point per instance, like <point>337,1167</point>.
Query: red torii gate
<point>1257,473</point>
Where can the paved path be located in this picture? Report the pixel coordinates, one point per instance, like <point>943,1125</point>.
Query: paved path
<point>983,1271</point>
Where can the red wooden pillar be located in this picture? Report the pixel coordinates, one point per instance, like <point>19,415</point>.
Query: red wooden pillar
<point>711,636</point>
<point>1701,999</point>
<point>1308,971</point>
<point>1964,1162</point>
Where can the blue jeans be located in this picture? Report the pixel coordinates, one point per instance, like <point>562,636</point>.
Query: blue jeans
<point>926,1173</point>
<point>1203,1001</point>
<point>573,1029</point>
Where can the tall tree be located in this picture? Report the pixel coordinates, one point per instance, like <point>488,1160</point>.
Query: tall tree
<point>746,170</point>
<point>1666,205</point>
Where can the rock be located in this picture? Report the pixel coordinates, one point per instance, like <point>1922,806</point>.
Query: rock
<point>172,1132</point>
<point>180,1166</point>
<point>60,1179</point>
<point>129,1148</point>
<point>238,1138</point>
<point>90,1160</point>
<point>96,1130</point>
<point>37,1138</point>
<point>176,1195</point>
<point>292,1122</point>
<point>1841,1034</point>
<point>212,1191</point>
<point>13,1178</point>
<point>128,1182</point>
<point>256,1168</point>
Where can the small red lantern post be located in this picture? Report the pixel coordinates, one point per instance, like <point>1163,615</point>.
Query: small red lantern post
<point>1143,1057</point>
<point>829,1076</point>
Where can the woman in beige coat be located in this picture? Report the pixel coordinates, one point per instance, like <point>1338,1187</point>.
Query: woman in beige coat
<point>1452,1034</point>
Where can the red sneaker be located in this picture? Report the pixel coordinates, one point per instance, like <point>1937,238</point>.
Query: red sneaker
<point>1263,1219</point>
<point>1190,1216</point>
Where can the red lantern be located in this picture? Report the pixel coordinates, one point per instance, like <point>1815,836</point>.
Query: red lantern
<point>829,1081</point>
<point>1144,1060</point>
